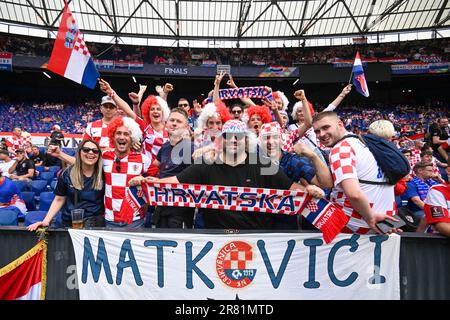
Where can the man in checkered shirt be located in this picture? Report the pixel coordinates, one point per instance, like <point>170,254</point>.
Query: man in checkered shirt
<point>97,130</point>
<point>17,141</point>
<point>351,161</point>
<point>120,165</point>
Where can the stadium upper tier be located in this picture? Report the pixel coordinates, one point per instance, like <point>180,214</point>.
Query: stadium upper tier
<point>436,50</point>
<point>72,118</point>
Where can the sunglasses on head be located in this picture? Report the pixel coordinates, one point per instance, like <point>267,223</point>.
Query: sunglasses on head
<point>87,150</point>
<point>117,164</point>
<point>238,136</point>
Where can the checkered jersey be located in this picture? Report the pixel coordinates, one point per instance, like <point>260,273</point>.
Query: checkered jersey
<point>15,142</point>
<point>437,204</point>
<point>153,139</point>
<point>97,131</point>
<point>116,181</point>
<point>351,159</point>
<point>415,156</point>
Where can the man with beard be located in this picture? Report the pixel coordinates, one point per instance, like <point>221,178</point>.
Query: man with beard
<point>120,165</point>
<point>351,161</point>
<point>303,166</point>
<point>235,166</point>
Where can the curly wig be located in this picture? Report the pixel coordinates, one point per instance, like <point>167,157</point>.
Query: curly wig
<point>135,130</point>
<point>151,101</point>
<point>282,96</point>
<point>262,111</point>
<point>214,109</point>
<point>298,105</point>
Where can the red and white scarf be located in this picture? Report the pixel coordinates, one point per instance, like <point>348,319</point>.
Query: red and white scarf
<point>327,217</point>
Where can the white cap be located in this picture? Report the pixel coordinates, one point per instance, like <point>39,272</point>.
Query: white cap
<point>56,127</point>
<point>108,99</point>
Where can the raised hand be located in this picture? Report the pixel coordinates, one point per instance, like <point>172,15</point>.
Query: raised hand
<point>231,83</point>
<point>300,95</point>
<point>168,88</point>
<point>105,86</point>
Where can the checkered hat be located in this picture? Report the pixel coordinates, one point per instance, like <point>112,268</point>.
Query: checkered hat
<point>234,126</point>
<point>270,128</point>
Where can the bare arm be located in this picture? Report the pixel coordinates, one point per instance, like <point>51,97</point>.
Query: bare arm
<point>56,152</point>
<point>217,81</point>
<point>323,176</point>
<point>136,99</point>
<point>164,91</point>
<point>307,123</point>
<point>436,140</point>
<point>336,102</point>
<point>416,200</point>
<point>29,175</point>
<point>246,101</point>
<point>359,201</point>
<point>13,167</point>
<point>443,153</point>
<point>56,205</point>
<point>122,104</point>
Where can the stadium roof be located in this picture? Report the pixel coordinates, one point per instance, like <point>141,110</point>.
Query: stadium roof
<point>236,20</point>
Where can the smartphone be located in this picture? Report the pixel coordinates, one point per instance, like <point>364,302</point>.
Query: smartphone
<point>387,225</point>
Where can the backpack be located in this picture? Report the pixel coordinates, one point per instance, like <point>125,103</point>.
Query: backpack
<point>389,158</point>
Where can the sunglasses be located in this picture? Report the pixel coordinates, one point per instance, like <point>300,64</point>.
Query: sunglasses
<point>236,111</point>
<point>238,136</point>
<point>87,150</point>
<point>117,164</point>
<point>183,105</point>
<point>19,152</point>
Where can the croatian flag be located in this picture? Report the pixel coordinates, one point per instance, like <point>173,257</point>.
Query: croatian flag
<point>25,278</point>
<point>359,79</point>
<point>70,57</point>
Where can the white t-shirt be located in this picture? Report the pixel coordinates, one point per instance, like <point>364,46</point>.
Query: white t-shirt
<point>351,159</point>
<point>4,167</point>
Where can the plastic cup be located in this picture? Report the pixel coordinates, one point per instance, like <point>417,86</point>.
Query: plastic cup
<point>77,218</point>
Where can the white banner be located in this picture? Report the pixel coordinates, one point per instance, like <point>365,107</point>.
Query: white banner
<point>274,266</point>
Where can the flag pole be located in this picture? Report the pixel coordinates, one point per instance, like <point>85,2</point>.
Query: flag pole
<point>351,76</point>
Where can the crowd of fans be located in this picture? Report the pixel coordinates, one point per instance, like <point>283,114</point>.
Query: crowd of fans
<point>136,143</point>
<point>435,50</point>
<point>73,118</point>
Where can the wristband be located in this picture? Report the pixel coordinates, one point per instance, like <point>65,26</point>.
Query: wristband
<point>112,94</point>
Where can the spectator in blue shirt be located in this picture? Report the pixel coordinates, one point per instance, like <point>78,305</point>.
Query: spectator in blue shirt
<point>80,186</point>
<point>173,157</point>
<point>303,166</point>
<point>418,187</point>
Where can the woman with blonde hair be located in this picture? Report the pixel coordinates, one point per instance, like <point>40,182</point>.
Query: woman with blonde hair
<point>80,186</point>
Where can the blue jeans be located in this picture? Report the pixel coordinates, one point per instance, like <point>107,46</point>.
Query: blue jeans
<point>135,224</point>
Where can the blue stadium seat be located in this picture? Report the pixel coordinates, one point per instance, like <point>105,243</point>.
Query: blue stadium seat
<point>38,186</point>
<point>45,200</point>
<point>22,185</point>
<point>54,169</point>
<point>43,149</point>
<point>39,168</point>
<point>34,216</point>
<point>53,185</point>
<point>28,197</point>
<point>69,151</point>
<point>8,217</point>
<point>47,176</point>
